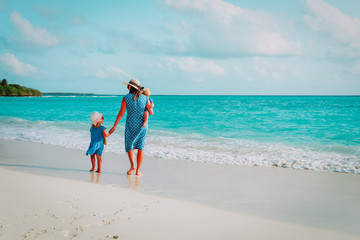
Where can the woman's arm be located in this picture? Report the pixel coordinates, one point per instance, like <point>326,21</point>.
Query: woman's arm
<point>119,116</point>
<point>149,107</point>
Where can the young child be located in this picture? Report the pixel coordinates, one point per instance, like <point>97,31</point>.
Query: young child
<point>98,139</point>
<point>147,93</point>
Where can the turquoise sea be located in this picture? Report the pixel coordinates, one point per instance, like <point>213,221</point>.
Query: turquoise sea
<point>301,132</point>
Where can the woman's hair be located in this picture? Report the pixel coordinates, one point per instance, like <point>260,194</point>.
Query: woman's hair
<point>132,89</point>
<point>136,92</point>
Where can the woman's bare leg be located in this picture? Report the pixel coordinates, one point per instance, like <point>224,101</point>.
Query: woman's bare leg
<point>139,160</point>
<point>131,155</point>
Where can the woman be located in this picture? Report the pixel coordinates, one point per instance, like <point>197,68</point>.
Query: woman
<point>135,103</point>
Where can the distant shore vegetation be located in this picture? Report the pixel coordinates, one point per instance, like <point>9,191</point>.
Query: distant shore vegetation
<point>16,90</point>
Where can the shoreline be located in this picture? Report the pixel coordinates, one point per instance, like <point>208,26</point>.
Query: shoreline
<point>322,200</point>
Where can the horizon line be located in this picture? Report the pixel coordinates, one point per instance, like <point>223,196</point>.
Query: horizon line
<point>299,95</point>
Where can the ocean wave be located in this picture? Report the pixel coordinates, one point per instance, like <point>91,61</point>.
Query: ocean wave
<point>191,147</point>
<point>251,153</point>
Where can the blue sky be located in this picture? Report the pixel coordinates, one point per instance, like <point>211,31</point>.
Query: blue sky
<point>183,47</point>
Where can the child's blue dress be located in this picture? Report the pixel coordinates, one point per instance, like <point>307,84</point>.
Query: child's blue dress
<point>97,141</point>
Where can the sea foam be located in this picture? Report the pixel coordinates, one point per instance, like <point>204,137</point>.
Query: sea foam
<point>188,147</point>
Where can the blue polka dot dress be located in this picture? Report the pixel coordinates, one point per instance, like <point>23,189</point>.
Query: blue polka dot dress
<point>134,132</point>
<point>97,141</point>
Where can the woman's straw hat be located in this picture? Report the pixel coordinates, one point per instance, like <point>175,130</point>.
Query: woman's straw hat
<point>96,117</point>
<point>134,83</point>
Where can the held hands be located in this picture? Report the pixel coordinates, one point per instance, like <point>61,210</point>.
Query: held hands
<point>112,130</point>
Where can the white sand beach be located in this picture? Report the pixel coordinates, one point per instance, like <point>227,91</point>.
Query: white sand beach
<point>48,193</point>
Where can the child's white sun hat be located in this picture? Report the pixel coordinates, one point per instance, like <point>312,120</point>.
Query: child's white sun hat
<point>96,117</point>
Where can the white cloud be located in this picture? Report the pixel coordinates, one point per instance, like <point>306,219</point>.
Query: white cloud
<point>354,68</point>
<point>221,29</point>
<point>111,71</point>
<point>50,13</point>
<point>190,65</point>
<point>14,65</point>
<point>327,19</point>
<point>267,69</point>
<point>2,4</point>
<point>222,10</point>
<point>33,34</point>
<point>76,20</point>
<point>271,43</point>
<point>338,79</point>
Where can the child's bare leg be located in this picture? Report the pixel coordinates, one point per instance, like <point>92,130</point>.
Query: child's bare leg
<point>131,155</point>
<point>92,158</point>
<point>99,162</point>
<point>146,118</point>
<point>139,160</point>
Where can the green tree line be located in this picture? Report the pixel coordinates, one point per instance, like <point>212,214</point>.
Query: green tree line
<point>16,90</point>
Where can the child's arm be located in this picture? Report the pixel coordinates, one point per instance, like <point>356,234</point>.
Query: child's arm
<point>106,134</point>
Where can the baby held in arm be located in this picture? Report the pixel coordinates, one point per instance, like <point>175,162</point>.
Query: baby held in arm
<point>147,93</point>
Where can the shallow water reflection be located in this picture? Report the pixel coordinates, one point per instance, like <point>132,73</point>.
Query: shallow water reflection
<point>92,179</point>
<point>131,183</point>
